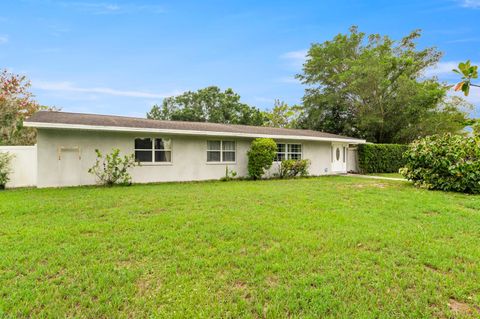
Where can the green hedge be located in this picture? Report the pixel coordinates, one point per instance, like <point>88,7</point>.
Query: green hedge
<point>381,158</point>
<point>446,162</point>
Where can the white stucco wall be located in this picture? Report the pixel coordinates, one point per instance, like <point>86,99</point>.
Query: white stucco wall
<point>70,166</point>
<point>352,164</point>
<point>23,165</point>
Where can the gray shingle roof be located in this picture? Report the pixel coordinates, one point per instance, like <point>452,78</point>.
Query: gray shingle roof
<point>50,117</point>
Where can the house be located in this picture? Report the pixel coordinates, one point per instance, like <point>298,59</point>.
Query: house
<point>170,150</point>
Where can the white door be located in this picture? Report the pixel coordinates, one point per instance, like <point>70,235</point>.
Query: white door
<point>339,158</point>
<point>69,166</point>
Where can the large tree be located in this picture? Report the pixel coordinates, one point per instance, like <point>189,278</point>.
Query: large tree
<point>207,105</point>
<point>283,115</point>
<point>16,103</point>
<point>374,87</point>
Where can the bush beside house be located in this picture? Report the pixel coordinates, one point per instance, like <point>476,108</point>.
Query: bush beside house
<point>260,156</point>
<point>293,168</point>
<point>5,170</point>
<point>113,169</point>
<point>381,158</point>
<point>446,162</point>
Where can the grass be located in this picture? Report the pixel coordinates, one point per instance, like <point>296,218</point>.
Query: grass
<point>392,175</point>
<point>325,247</point>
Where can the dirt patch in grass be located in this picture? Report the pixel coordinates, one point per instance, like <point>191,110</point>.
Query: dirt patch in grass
<point>463,309</point>
<point>148,285</point>
<point>272,281</point>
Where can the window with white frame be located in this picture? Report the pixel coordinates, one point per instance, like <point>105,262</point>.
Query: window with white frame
<point>153,150</point>
<point>288,151</point>
<point>221,151</point>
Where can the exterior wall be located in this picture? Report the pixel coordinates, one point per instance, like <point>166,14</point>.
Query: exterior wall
<point>64,157</point>
<point>352,163</point>
<point>23,165</point>
<point>319,154</point>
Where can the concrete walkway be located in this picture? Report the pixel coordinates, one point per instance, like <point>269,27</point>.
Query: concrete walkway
<point>378,177</point>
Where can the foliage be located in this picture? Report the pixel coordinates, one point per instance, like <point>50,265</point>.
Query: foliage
<point>445,162</point>
<point>373,87</point>
<point>283,115</point>
<point>5,169</point>
<point>237,246</point>
<point>468,72</point>
<point>293,168</point>
<point>229,174</point>
<point>476,127</point>
<point>16,104</point>
<point>113,169</point>
<point>381,158</point>
<point>207,105</point>
<point>260,156</point>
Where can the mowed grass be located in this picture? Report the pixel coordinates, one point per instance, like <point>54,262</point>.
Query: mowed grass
<point>329,247</point>
<point>392,175</point>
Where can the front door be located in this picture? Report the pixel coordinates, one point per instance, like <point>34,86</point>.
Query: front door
<point>339,158</point>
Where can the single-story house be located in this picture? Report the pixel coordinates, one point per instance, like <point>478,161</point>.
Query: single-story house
<point>170,150</point>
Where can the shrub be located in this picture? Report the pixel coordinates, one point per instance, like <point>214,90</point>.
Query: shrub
<point>293,168</point>
<point>260,156</point>
<point>446,162</point>
<point>381,158</point>
<point>5,170</point>
<point>113,169</point>
<point>229,175</point>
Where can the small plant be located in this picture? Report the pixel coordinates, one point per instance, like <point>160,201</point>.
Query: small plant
<point>293,168</point>
<point>229,175</point>
<point>5,170</point>
<point>113,169</point>
<point>260,156</point>
<point>446,162</point>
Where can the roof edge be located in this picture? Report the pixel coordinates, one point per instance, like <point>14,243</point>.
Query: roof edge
<point>186,132</point>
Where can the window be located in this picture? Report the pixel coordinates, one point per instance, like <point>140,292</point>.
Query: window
<point>221,151</point>
<point>281,153</point>
<point>153,150</point>
<point>288,151</point>
<point>294,151</point>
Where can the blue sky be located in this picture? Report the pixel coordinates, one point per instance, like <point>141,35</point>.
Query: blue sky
<point>121,57</point>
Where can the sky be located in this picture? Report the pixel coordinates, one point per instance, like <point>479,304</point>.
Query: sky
<point>122,57</point>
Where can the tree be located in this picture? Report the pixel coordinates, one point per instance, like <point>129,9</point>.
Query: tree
<point>468,72</point>
<point>476,127</point>
<point>283,115</point>
<point>372,87</point>
<point>207,105</point>
<point>16,103</point>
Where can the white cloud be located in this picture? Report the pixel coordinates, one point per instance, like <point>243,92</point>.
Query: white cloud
<point>112,8</point>
<point>295,58</point>
<point>70,87</point>
<point>3,39</point>
<point>475,4</point>
<point>442,68</point>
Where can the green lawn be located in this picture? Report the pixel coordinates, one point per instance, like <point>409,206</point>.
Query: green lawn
<point>392,175</point>
<point>322,247</point>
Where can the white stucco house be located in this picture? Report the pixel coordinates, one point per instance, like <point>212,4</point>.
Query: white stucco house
<point>169,150</point>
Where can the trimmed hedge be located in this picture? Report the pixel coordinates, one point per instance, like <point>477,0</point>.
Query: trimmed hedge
<point>381,158</point>
<point>260,156</point>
